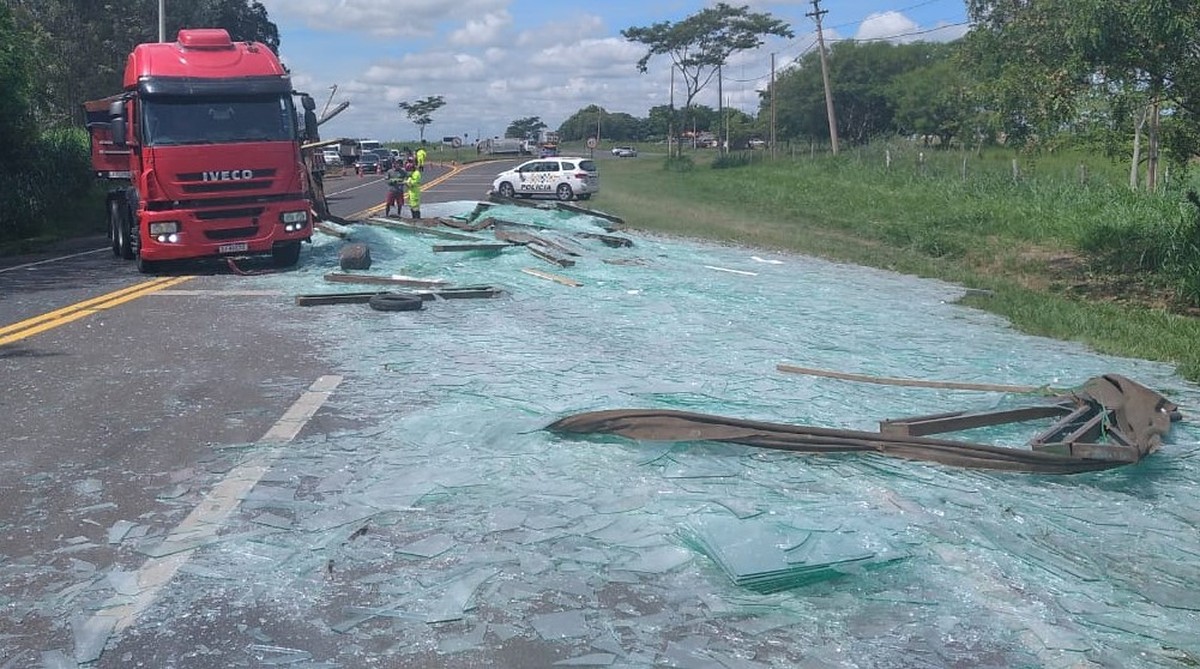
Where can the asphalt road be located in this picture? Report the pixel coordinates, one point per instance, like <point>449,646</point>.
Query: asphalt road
<point>126,399</point>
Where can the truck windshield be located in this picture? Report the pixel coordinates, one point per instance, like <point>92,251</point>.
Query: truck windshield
<point>170,121</point>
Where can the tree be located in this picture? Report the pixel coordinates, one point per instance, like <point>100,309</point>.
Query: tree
<point>83,44</point>
<point>245,20</point>
<point>1036,58</point>
<point>17,129</point>
<point>701,43</point>
<point>421,111</point>
<point>524,127</point>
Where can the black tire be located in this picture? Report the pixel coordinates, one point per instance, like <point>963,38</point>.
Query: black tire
<point>395,302</point>
<point>114,225</point>
<point>286,254</point>
<point>123,244</point>
<point>506,190</point>
<point>564,192</point>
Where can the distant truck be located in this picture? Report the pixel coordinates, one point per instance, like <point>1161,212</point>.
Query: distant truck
<point>205,144</point>
<point>544,144</point>
<point>501,146</point>
<point>351,149</point>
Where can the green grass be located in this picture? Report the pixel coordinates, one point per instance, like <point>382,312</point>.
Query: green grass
<point>987,231</point>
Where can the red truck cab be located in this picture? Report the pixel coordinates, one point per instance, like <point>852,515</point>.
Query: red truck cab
<point>206,134</point>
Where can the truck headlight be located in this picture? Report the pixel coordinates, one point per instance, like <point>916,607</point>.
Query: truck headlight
<point>164,228</point>
<point>295,217</point>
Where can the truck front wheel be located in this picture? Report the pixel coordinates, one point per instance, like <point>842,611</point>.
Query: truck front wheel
<point>119,229</point>
<point>285,254</point>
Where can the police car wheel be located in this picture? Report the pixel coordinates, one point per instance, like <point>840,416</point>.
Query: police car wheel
<point>506,190</point>
<point>564,192</point>
<point>395,302</point>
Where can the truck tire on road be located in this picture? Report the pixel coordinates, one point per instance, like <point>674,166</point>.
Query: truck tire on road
<point>120,227</point>
<point>395,302</point>
<point>285,254</point>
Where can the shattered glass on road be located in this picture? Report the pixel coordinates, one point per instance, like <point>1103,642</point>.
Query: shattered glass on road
<point>446,528</point>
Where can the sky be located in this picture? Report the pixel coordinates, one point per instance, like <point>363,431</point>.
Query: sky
<point>496,61</point>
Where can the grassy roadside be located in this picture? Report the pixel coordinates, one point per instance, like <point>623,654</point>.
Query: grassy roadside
<point>1020,241</point>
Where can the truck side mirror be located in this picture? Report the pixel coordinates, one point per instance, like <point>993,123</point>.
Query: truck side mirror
<point>117,128</point>
<point>116,112</point>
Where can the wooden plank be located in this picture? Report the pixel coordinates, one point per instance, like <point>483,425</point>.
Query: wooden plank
<point>557,278</point>
<point>459,293</point>
<point>334,298</point>
<point>549,256</point>
<point>1091,451</point>
<point>555,245</point>
<point>609,240</point>
<point>465,225</point>
<point>513,236</point>
<point>482,246</point>
<point>420,229</point>
<point>1089,430</point>
<point>453,293</point>
<point>330,230</point>
<point>590,212</point>
<point>917,383</point>
<point>520,202</point>
<point>377,280</point>
<point>953,422</point>
<point>1055,432</point>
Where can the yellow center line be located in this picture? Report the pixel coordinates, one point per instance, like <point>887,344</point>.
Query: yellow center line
<point>68,314</point>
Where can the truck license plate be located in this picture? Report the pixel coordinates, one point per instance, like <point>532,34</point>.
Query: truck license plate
<point>233,248</point>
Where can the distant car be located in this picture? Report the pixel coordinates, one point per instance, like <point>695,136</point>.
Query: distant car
<point>368,163</point>
<point>385,158</point>
<point>624,152</point>
<point>565,178</point>
<point>331,157</point>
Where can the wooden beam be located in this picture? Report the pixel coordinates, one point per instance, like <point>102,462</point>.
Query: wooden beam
<point>454,293</point>
<point>917,383</point>
<point>566,206</point>
<point>551,243</point>
<point>549,256</point>
<point>482,246</point>
<point>609,240</point>
<point>419,229</point>
<point>377,280</point>
<point>513,236</point>
<point>330,230</point>
<point>924,425</point>
<point>557,278</point>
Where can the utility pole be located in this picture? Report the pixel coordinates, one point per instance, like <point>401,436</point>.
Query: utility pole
<point>816,15</point>
<point>671,121</point>
<point>720,109</point>
<point>162,21</point>
<point>772,105</point>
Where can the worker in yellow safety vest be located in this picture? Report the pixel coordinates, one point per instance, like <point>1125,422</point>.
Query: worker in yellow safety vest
<point>421,158</point>
<point>414,191</point>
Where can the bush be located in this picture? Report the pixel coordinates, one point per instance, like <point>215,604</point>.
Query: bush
<point>50,191</point>
<point>729,160</point>
<point>679,164</point>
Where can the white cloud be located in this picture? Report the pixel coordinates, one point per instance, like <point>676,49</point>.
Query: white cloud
<point>492,29</point>
<point>380,18</point>
<point>886,26</point>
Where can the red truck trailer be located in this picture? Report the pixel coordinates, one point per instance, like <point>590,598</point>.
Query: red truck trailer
<point>205,146</point>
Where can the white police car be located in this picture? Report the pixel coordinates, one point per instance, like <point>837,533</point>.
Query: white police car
<point>564,177</point>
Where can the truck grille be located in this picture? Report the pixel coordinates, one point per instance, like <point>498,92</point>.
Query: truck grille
<point>218,214</point>
<point>231,233</point>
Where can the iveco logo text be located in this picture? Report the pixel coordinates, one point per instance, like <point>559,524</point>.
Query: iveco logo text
<point>229,175</point>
